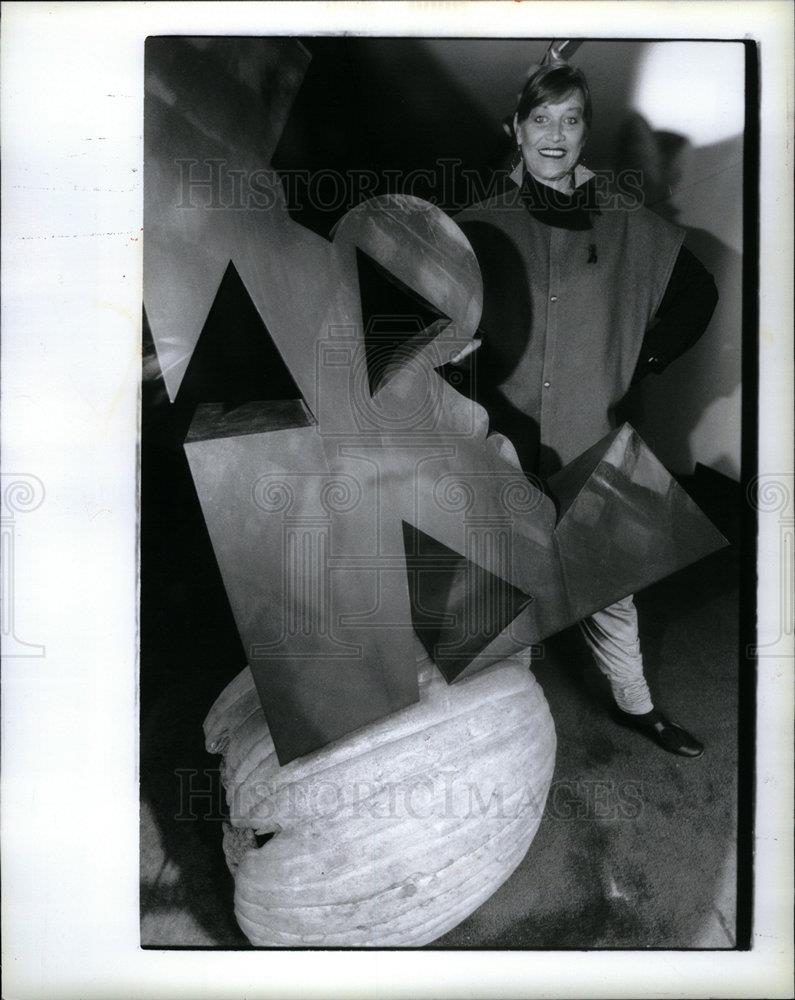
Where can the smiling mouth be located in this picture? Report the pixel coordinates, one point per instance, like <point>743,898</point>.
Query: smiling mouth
<point>555,154</point>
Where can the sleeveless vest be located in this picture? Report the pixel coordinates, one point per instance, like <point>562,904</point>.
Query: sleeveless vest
<point>564,316</point>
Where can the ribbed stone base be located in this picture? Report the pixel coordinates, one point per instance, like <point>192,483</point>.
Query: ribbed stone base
<point>396,833</point>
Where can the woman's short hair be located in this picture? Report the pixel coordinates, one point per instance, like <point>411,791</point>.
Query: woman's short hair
<point>551,84</point>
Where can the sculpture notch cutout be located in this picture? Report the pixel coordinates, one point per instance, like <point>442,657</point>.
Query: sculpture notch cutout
<point>393,320</point>
<point>457,607</point>
<point>236,364</point>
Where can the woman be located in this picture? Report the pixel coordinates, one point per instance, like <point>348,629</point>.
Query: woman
<point>585,291</point>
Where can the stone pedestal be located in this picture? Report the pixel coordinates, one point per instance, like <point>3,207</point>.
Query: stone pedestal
<point>396,833</point>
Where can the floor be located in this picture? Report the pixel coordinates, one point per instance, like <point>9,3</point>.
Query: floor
<point>636,848</point>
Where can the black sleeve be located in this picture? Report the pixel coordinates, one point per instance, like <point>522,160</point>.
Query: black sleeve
<point>683,315</point>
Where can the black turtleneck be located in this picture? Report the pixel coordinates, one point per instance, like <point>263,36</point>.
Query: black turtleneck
<point>562,209</point>
<point>690,297</point>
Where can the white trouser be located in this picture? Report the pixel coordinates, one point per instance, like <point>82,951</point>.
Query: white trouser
<point>612,636</point>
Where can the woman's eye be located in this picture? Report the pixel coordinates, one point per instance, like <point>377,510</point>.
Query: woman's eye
<point>540,119</point>
<point>572,121</point>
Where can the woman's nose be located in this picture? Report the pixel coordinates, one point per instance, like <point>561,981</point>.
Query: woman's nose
<point>555,131</point>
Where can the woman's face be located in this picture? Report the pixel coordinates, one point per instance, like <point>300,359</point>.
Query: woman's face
<point>551,140</point>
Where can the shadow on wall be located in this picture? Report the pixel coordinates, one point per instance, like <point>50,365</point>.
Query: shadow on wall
<point>383,115</point>
<point>691,412</point>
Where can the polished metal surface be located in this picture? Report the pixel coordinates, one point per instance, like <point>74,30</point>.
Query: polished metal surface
<point>214,111</point>
<point>375,500</point>
<point>629,525</point>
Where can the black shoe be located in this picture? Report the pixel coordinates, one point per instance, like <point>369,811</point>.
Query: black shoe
<point>667,734</point>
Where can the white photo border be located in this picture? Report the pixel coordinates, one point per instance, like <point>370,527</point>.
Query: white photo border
<point>72,121</point>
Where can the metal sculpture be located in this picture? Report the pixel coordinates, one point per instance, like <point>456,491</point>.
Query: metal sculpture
<point>359,496</point>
